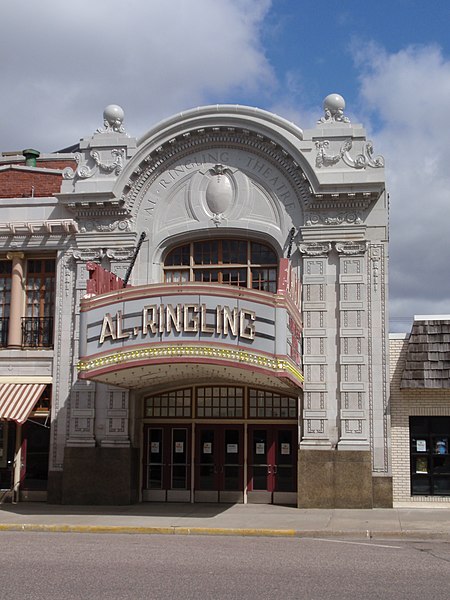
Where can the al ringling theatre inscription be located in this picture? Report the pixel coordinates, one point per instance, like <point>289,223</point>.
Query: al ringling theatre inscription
<point>160,319</point>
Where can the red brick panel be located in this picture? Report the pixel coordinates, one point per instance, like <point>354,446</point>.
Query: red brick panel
<point>20,184</point>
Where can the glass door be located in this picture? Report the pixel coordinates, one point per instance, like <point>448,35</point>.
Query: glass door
<point>272,464</point>
<point>219,463</point>
<point>167,463</point>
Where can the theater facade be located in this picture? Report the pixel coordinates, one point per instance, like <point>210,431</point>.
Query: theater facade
<point>205,309</point>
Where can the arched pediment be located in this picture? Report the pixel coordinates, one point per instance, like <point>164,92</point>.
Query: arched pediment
<point>205,130</point>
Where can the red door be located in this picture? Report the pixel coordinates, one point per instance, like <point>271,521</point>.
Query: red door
<point>167,463</point>
<point>272,463</point>
<point>219,475</point>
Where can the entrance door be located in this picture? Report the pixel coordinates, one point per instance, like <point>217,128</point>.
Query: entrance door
<point>219,473</point>
<point>167,473</point>
<point>272,464</point>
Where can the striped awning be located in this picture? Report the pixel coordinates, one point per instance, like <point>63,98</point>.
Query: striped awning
<point>17,400</point>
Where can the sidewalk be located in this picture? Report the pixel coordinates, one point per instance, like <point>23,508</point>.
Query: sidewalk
<point>238,519</point>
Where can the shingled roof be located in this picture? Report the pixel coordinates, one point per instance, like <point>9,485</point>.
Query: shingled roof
<point>428,355</point>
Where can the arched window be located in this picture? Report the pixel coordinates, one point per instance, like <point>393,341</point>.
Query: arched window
<point>228,261</point>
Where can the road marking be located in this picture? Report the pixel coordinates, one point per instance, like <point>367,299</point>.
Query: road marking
<point>356,543</point>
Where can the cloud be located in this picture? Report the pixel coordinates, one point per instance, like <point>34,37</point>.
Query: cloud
<point>63,63</point>
<point>408,95</point>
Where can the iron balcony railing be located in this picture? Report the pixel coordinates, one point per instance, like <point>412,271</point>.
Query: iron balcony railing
<point>4,331</point>
<point>37,332</point>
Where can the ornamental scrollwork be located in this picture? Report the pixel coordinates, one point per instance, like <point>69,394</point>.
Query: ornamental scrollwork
<point>361,161</point>
<point>85,172</point>
<point>333,116</point>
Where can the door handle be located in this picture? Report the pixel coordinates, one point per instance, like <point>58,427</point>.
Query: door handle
<point>275,469</point>
<point>269,469</point>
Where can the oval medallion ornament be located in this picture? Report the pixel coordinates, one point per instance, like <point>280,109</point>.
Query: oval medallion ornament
<point>219,192</point>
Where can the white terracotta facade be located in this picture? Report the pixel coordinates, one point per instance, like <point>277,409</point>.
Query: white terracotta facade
<point>317,200</point>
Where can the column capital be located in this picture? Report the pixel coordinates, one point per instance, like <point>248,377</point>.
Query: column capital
<point>13,255</point>
<point>315,248</point>
<point>351,247</point>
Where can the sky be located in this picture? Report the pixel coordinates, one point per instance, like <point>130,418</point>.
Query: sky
<point>61,63</point>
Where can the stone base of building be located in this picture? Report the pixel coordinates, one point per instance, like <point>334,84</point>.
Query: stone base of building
<point>54,487</point>
<point>100,476</point>
<point>382,492</point>
<point>340,479</point>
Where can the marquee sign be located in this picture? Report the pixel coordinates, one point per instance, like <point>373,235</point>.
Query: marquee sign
<point>191,322</point>
<point>182,318</point>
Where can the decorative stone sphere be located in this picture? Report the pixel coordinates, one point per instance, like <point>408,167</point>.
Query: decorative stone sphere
<point>334,103</point>
<point>113,114</point>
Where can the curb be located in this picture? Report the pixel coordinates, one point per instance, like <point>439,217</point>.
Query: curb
<point>222,531</point>
<point>171,530</point>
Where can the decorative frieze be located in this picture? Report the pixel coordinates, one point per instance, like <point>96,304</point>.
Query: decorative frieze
<point>352,218</point>
<point>101,225</point>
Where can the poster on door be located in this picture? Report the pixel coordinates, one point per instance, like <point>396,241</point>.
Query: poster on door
<point>421,445</point>
<point>232,448</point>
<point>207,448</point>
<point>259,449</point>
<point>285,448</point>
<point>179,447</point>
<point>154,448</point>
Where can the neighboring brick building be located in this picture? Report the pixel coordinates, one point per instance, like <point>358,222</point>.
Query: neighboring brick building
<point>420,412</point>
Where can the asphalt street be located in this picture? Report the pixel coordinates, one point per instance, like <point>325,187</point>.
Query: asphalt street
<point>63,566</point>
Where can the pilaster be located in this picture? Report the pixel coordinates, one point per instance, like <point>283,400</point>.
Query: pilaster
<point>114,417</point>
<point>353,379</point>
<point>318,310</point>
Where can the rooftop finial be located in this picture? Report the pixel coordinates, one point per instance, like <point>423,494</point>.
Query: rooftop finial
<point>113,116</point>
<point>333,106</point>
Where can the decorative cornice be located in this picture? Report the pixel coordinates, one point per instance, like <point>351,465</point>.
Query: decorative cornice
<point>346,200</point>
<point>44,227</point>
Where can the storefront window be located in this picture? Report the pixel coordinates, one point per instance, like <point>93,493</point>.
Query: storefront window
<point>230,262</point>
<point>430,457</point>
